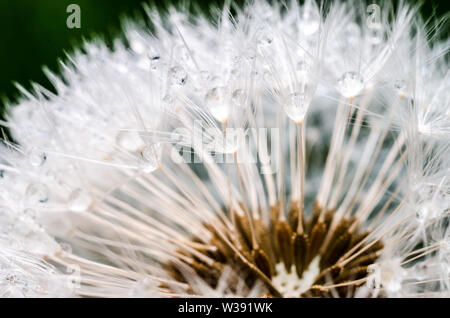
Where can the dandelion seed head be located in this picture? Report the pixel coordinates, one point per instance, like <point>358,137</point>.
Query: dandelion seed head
<point>279,152</point>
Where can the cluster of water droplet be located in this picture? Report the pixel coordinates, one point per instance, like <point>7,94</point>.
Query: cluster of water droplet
<point>29,277</point>
<point>15,284</point>
<point>20,231</point>
<point>44,181</point>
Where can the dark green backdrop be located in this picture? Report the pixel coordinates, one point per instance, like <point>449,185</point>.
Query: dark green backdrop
<point>33,33</point>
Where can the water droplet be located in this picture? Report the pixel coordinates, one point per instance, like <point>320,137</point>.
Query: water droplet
<point>420,214</point>
<point>238,97</point>
<point>129,140</point>
<point>310,19</point>
<point>66,247</point>
<point>29,214</point>
<point>373,282</point>
<point>376,34</point>
<point>79,200</point>
<point>217,103</point>
<point>37,193</point>
<point>167,100</point>
<point>264,37</point>
<point>121,68</point>
<point>215,81</point>
<point>374,277</point>
<point>178,76</point>
<point>350,84</point>
<point>373,268</point>
<point>296,106</point>
<point>400,84</point>
<point>401,87</point>
<point>150,158</point>
<point>204,80</point>
<point>155,61</point>
<point>36,158</point>
<point>205,76</point>
<point>137,43</point>
<point>11,278</point>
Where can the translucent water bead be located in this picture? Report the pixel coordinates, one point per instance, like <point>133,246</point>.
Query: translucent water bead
<point>309,19</point>
<point>167,100</point>
<point>14,285</point>
<point>376,34</point>
<point>350,84</point>
<point>5,176</point>
<point>129,140</point>
<point>36,158</point>
<point>218,104</point>
<point>264,37</point>
<point>392,275</point>
<point>150,158</point>
<point>154,57</point>
<point>37,193</point>
<point>66,247</point>
<point>24,234</point>
<point>80,200</point>
<point>155,61</point>
<point>401,86</point>
<point>177,76</point>
<point>237,98</point>
<point>296,106</point>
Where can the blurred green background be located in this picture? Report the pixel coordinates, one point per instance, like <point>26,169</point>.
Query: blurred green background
<point>33,33</point>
